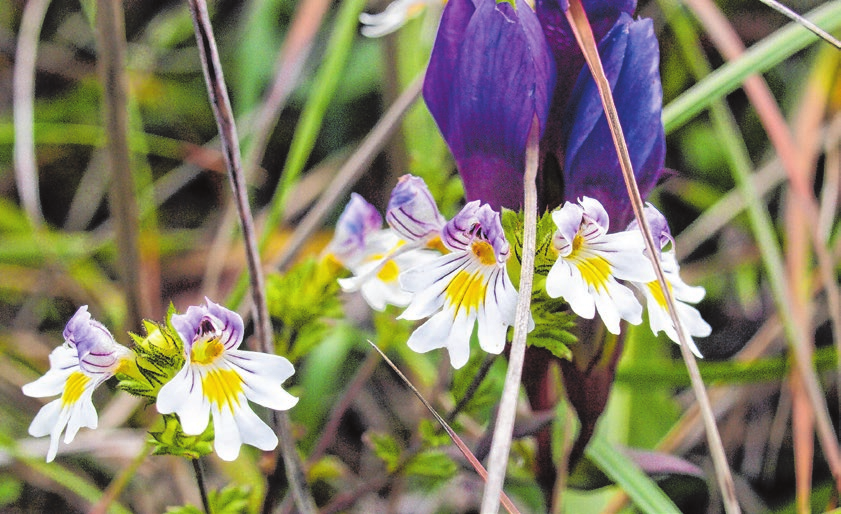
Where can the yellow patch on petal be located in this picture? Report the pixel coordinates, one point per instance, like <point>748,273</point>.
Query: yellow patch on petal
<point>484,251</point>
<point>595,271</point>
<point>74,387</point>
<point>206,351</point>
<point>467,290</point>
<point>657,292</point>
<point>222,387</point>
<point>435,243</point>
<point>389,272</point>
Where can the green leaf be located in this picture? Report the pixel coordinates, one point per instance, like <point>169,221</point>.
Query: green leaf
<point>10,489</point>
<point>431,469</point>
<point>171,440</point>
<point>386,448</point>
<point>644,492</point>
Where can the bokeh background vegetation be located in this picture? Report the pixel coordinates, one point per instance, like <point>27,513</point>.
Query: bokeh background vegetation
<point>368,444</point>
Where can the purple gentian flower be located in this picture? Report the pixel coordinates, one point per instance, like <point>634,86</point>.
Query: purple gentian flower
<point>489,76</point>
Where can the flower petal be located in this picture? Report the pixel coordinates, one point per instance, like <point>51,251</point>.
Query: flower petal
<point>489,75</point>
<point>227,440</point>
<point>262,375</point>
<point>591,167</point>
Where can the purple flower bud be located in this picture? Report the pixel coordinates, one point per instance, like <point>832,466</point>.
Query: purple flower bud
<point>359,220</point>
<point>97,350</point>
<point>591,166</point>
<point>412,211</point>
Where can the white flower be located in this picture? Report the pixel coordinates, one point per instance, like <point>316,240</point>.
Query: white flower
<point>88,357</point>
<point>376,276</point>
<point>218,379</point>
<point>395,15</point>
<point>658,314</point>
<point>415,229</point>
<point>465,287</point>
<point>590,261</point>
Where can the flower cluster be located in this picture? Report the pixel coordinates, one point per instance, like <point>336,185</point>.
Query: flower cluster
<point>464,285</point>
<point>216,379</point>
<point>450,271</point>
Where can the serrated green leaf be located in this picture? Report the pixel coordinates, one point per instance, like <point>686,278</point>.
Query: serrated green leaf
<point>431,469</point>
<point>386,448</point>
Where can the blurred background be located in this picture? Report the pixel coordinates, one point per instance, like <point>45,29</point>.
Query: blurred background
<point>307,88</point>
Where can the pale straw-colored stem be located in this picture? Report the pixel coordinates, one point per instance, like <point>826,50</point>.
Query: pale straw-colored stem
<point>584,35</point>
<point>504,427</point>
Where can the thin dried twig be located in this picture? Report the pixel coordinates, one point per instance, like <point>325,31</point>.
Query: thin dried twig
<point>111,42</point>
<point>289,64</point>
<point>498,459</point>
<point>577,18</point>
<point>501,496</point>
<point>23,85</point>
<point>218,93</point>
<point>782,9</point>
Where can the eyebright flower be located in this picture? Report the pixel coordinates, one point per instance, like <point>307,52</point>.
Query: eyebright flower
<point>590,261</point>
<point>218,379</point>
<point>393,17</point>
<point>658,314</point>
<point>490,74</point>
<point>88,357</point>
<point>415,227</point>
<point>359,222</point>
<point>463,288</point>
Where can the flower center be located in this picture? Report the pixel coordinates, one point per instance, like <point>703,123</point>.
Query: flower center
<point>222,387</point>
<point>74,388</point>
<point>206,346</point>
<point>484,251</point>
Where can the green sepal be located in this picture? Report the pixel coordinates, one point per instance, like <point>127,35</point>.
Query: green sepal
<point>172,440</point>
<point>159,356</point>
<point>545,254</point>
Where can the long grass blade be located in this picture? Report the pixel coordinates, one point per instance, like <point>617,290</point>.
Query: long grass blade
<point>761,57</point>
<point>23,85</point>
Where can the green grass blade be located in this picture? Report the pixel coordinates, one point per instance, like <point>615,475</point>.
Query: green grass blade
<point>761,57</point>
<point>644,492</point>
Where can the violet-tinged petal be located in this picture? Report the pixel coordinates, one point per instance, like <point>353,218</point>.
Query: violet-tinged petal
<point>412,212</point>
<point>209,322</point>
<point>591,166</point>
<point>487,80</point>
<point>657,223</point>
<point>456,233</point>
<point>569,60</point>
<point>359,220</point>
